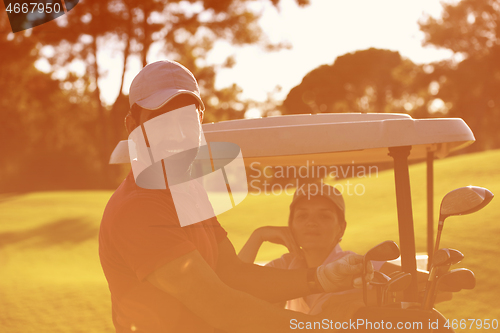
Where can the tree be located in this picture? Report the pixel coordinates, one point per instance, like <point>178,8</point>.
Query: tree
<point>42,130</point>
<point>471,29</point>
<point>370,80</point>
<point>181,30</point>
<point>185,30</point>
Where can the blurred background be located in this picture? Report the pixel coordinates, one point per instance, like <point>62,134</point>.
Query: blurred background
<point>64,94</point>
<point>64,84</point>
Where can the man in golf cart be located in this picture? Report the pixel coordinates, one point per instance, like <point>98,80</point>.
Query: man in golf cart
<point>316,225</point>
<point>164,277</point>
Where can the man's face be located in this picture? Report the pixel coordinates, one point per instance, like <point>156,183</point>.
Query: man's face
<point>316,223</point>
<point>176,103</point>
<point>173,134</point>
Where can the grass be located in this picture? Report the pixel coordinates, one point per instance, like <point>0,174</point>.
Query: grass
<point>51,279</point>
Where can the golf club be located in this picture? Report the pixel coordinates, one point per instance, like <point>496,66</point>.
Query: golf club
<point>441,262</point>
<point>398,283</point>
<point>387,250</point>
<point>379,278</point>
<point>395,274</point>
<point>462,201</point>
<point>455,257</point>
<point>379,281</point>
<point>454,281</point>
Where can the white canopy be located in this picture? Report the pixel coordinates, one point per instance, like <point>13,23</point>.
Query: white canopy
<point>332,139</point>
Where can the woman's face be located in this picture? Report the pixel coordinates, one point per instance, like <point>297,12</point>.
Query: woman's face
<point>316,224</point>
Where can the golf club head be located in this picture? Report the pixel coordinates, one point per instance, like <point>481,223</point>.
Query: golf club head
<point>455,256</point>
<point>440,257</point>
<point>464,200</point>
<point>399,283</point>
<point>379,281</point>
<point>394,274</point>
<point>387,250</point>
<point>441,270</point>
<point>379,278</point>
<point>456,280</point>
<point>446,257</point>
<point>441,262</point>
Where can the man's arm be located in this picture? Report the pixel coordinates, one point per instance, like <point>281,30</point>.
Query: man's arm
<point>192,281</point>
<point>268,283</point>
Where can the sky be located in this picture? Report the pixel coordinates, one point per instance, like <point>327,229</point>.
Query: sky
<point>317,33</point>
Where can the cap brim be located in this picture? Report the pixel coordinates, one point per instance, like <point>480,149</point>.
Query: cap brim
<point>337,201</point>
<point>162,97</point>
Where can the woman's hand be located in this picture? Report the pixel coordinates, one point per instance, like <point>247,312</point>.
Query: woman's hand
<point>278,235</point>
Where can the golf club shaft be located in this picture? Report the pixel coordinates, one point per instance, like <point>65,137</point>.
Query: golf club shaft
<point>364,282</point>
<point>384,296</point>
<point>431,282</point>
<point>429,288</point>
<point>432,298</point>
<point>438,236</point>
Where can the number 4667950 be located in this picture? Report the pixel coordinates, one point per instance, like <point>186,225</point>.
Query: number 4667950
<point>33,7</point>
<point>472,324</point>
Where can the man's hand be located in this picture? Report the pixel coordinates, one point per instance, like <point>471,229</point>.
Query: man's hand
<point>344,273</point>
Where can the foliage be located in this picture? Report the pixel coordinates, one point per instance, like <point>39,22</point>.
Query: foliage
<point>133,31</point>
<point>371,80</point>
<point>42,130</point>
<point>471,29</point>
<point>182,30</point>
<point>381,81</point>
<point>469,26</point>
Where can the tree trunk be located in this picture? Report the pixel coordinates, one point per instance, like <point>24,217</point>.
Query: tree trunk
<point>120,106</point>
<point>102,126</point>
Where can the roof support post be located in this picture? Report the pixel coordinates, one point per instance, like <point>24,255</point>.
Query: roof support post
<point>430,208</point>
<point>405,218</point>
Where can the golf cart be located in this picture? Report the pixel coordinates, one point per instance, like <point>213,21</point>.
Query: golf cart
<point>347,139</point>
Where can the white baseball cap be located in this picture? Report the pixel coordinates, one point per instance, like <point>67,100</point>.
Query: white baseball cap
<point>157,83</point>
<point>320,189</point>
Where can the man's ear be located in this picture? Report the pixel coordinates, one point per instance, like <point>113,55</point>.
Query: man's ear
<point>130,123</point>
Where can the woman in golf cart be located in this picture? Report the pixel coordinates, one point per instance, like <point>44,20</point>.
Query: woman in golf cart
<point>316,225</point>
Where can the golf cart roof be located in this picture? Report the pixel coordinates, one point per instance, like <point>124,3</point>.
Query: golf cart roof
<point>333,138</point>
